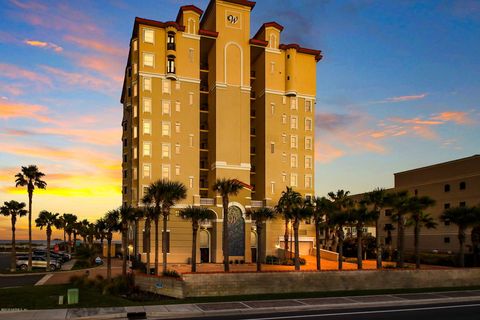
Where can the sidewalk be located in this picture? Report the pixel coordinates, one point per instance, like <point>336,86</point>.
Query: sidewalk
<point>246,307</point>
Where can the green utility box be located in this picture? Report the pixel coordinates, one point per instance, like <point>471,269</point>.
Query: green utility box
<point>72,296</point>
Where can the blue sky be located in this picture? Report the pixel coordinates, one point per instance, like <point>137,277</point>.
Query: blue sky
<point>398,88</point>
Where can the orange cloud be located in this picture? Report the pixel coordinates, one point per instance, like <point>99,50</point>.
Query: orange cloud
<point>79,79</point>
<point>418,121</point>
<point>108,67</point>
<point>28,5</point>
<point>458,117</point>
<point>325,153</point>
<point>42,44</point>
<point>107,137</point>
<point>14,72</point>
<point>10,110</point>
<point>100,46</point>
<point>406,98</point>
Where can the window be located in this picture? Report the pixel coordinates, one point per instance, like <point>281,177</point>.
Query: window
<point>135,45</point>
<point>191,55</point>
<point>284,176</point>
<point>308,105</point>
<point>446,188</point>
<point>308,181</point>
<point>284,118</point>
<point>166,129</point>
<point>125,174</point>
<point>446,206</point>
<point>308,124</point>
<point>171,41</point>
<point>125,126</point>
<point>165,171</point>
<point>125,190</point>
<point>147,127</point>
<point>135,90</point>
<point>293,141</point>
<point>293,161</point>
<point>293,122</point>
<point>308,162</point>
<point>272,147</point>
<point>272,67</point>
<point>190,140</point>
<point>125,158</point>
<point>148,59</point>
<point>148,35</point>
<point>135,153</point>
<point>293,180</point>
<point>147,149</point>
<point>135,173</point>
<point>190,182</point>
<point>284,157</point>
<point>463,185</point>
<point>415,192</point>
<point>171,64</point>
<point>129,72</point>
<point>135,68</point>
<point>147,105</point>
<point>125,142</point>
<point>272,187</point>
<point>177,85</point>
<point>166,107</point>
<point>166,84</point>
<point>166,150</point>
<point>135,111</point>
<point>177,170</point>
<point>145,190</point>
<point>388,212</point>
<point>177,127</point>
<point>147,84</point>
<point>293,103</point>
<point>284,99</point>
<point>177,148</point>
<point>272,106</point>
<point>129,92</point>
<point>446,222</point>
<point>446,240</point>
<point>135,132</point>
<point>462,204</point>
<point>284,138</point>
<point>308,143</point>
<point>147,170</point>
<point>177,105</point>
<point>190,98</point>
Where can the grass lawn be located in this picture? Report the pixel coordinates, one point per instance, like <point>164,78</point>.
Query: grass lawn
<point>46,297</point>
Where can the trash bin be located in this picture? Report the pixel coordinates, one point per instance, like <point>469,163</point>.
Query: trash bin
<point>72,296</point>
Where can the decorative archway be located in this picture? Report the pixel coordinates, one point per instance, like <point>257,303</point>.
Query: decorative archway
<point>236,231</point>
<point>205,243</point>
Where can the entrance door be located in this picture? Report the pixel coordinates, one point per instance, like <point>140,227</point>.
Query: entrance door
<point>253,245</point>
<point>204,238</point>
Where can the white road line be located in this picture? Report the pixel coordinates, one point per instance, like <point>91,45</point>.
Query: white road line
<point>44,279</point>
<point>366,312</point>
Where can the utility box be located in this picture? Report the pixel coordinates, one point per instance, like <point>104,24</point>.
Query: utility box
<point>72,296</point>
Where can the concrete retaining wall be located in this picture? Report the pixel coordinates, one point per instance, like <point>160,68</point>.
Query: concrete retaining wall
<point>167,286</point>
<point>229,284</point>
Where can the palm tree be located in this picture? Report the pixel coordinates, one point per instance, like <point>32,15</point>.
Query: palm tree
<point>127,215</point>
<point>70,220</point>
<point>83,230</point>
<point>226,188</point>
<point>463,217</point>
<point>261,216</point>
<point>399,203</point>
<point>359,216</point>
<point>299,214</point>
<point>31,178</point>
<point>100,233</point>
<point>15,210</point>
<point>61,225</point>
<point>376,198</point>
<point>322,208</point>
<point>112,224</point>
<point>288,200</point>
<point>196,215</point>
<point>341,201</point>
<point>338,220</point>
<point>417,206</point>
<point>48,220</point>
<point>149,214</point>
<point>388,240</point>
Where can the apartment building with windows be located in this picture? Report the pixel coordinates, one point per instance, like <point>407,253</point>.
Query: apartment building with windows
<point>203,100</point>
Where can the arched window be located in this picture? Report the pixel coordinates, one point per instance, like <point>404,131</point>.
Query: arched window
<point>171,64</point>
<point>171,41</point>
<point>446,188</point>
<point>273,41</point>
<point>463,185</point>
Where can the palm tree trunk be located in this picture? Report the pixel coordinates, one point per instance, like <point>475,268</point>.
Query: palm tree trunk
<point>296,226</point>
<point>226,255</point>
<point>164,240</point>
<point>359,247</point>
<point>317,243</point>
<point>49,235</point>
<point>417,244</point>
<point>101,246</point>
<point>400,242</point>
<point>340,248</point>
<point>377,244</point>
<point>286,239</point>
<point>461,240</point>
<point>64,236</point>
<point>194,246</point>
<point>13,264</point>
<point>30,196</point>
<point>70,242</point>
<point>74,241</point>
<point>124,255</point>
<point>156,245</point>
<point>259,246</point>
<point>109,256</point>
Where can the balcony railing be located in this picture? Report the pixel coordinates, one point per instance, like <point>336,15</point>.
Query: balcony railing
<point>203,87</point>
<point>207,201</point>
<point>171,46</point>
<point>204,107</point>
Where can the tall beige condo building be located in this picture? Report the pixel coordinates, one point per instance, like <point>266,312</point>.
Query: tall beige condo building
<point>204,100</point>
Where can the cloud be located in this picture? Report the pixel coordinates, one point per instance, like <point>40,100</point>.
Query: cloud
<point>97,45</point>
<point>325,153</point>
<point>15,72</point>
<point>106,137</point>
<point>458,117</point>
<point>335,121</point>
<point>28,5</point>
<point>84,80</point>
<point>42,44</point>
<point>10,110</point>
<point>406,98</point>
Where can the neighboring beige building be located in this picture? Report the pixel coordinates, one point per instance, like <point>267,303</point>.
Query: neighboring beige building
<point>452,184</point>
<point>204,100</point>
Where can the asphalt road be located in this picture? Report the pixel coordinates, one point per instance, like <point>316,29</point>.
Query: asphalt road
<point>457,311</point>
<point>17,281</point>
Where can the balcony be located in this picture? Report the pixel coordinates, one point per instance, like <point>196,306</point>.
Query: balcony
<point>207,201</point>
<point>203,87</point>
<point>252,95</point>
<point>171,46</point>
<point>203,67</point>
<point>253,132</point>
<point>204,108</point>
<point>171,74</point>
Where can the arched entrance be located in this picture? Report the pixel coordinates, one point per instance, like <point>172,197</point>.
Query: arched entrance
<point>204,239</point>
<point>254,245</point>
<point>236,232</point>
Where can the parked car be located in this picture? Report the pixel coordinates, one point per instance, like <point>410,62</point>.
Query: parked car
<point>37,262</point>
<point>53,255</point>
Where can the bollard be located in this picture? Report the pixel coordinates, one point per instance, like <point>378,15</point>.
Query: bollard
<point>60,300</point>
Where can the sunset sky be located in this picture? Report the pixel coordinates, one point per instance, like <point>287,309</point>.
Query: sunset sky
<point>399,88</point>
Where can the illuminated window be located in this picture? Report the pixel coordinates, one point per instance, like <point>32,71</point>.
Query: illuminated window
<point>293,103</point>
<point>177,127</point>
<point>147,84</point>
<point>135,111</point>
<point>147,170</point>
<point>190,182</point>
<point>148,35</point>
<point>177,170</point>
<point>135,132</point>
<point>135,90</point>
<point>272,106</point>
<point>177,148</point>
<point>171,64</point>
<point>284,138</point>
<point>165,171</point>
<point>308,143</point>
<point>171,41</point>
<point>272,187</point>
<point>177,105</point>
<point>147,149</point>
<point>147,105</point>
<point>135,173</point>
<point>135,153</point>
<point>166,129</point>
<point>284,177</point>
<point>308,105</point>
<point>293,141</point>
<point>165,150</point>
<point>272,147</point>
<point>308,181</point>
<point>148,59</point>
<point>135,45</point>
<point>166,107</point>
<point>308,124</point>
<point>293,180</point>
<point>308,162</point>
<point>166,85</point>
<point>190,140</point>
<point>293,161</point>
<point>293,122</point>
<point>190,98</point>
<point>147,127</point>
<point>284,118</point>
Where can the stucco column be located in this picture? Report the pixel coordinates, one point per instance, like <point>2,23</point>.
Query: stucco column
<point>217,253</point>
<point>248,249</point>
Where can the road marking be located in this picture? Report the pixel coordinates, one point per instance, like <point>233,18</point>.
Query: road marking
<point>44,279</point>
<point>367,312</point>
